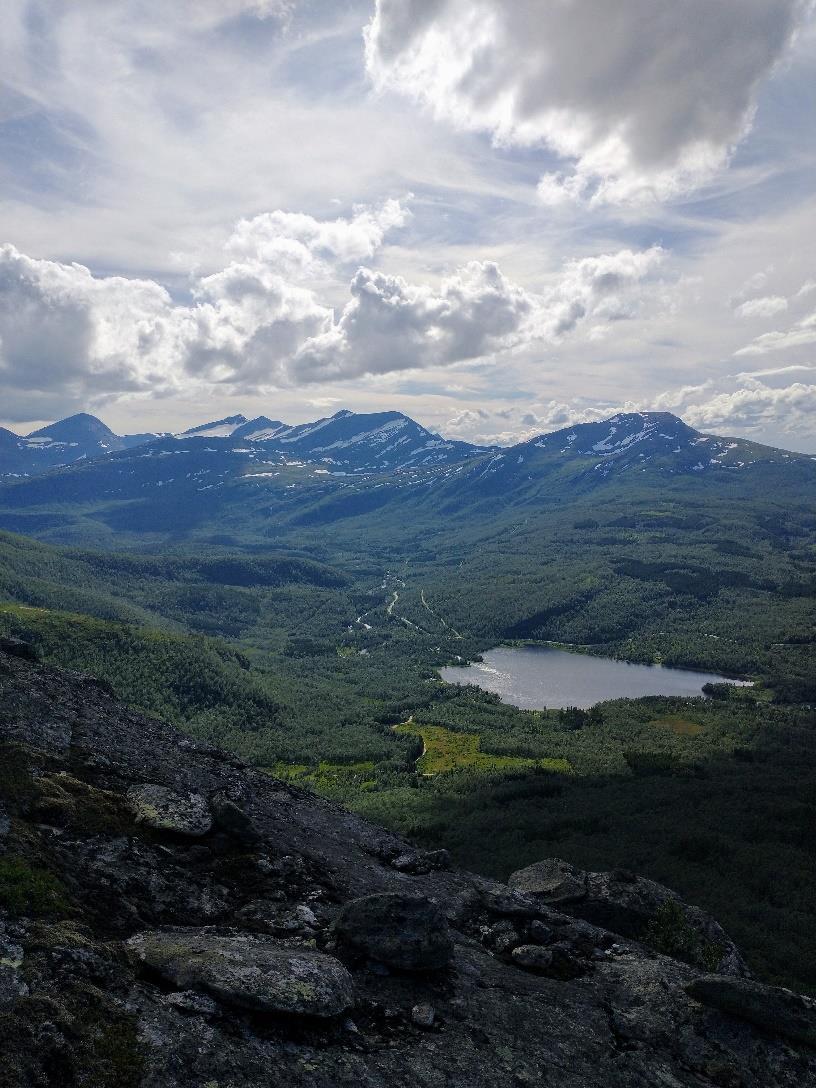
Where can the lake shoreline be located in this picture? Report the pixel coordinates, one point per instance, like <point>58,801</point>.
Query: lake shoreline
<point>600,650</point>
<point>541,676</point>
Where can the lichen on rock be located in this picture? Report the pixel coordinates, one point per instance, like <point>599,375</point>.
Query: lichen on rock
<point>247,972</point>
<point>165,810</point>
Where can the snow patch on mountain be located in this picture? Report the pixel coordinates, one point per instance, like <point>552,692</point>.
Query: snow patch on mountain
<point>220,428</point>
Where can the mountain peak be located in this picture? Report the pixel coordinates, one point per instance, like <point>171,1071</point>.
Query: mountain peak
<point>259,428</point>
<point>619,433</point>
<point>217,428</point>
<point>77,428</point>
<point>644,417</point>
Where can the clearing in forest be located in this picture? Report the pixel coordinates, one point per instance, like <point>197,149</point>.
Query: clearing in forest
<point>445,750</point>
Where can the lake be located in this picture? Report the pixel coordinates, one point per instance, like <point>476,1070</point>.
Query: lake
<point>539,677</point>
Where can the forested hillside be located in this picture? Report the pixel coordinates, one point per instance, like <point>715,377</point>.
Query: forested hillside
<point>299,619</point>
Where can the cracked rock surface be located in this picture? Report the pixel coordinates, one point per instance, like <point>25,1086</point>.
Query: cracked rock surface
<point>254,935</point>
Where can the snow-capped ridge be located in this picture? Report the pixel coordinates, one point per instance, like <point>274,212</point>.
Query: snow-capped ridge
<point>260,429</point>
<point>219,428</point>
<point>391,444</point>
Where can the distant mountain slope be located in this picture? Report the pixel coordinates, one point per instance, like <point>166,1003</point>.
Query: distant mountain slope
<point>347,442</point>
<point>77,438</point>
<point>639,439</point>
<point>218,428</point>
<point>381,441</point>
<point>384,466</point>
<point>627,450</point>
<point>259,428</point>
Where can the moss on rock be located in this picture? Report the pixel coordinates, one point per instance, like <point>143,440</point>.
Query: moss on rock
<point>28,889</point>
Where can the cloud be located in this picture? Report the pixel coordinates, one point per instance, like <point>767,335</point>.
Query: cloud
<point>209,14</point>
<point>767,306</point>
<point>641,99</point>
<point>65,330</point>
<point>780,399</point>
<point>390,324</point>
<point>137,130</point>
<point>800,334</point>
<point>778,375</point>
<point>62,329</point>
<point>601,288</point>
<point>301,245</point>
<point>254,316</point>
<point>757,407</point>
<point>261,322</point>
<point>248,322</point>
<point>507,426</point>
<point>778,402</point>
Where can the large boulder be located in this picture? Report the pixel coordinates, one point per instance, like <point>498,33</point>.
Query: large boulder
<point>165,810</point>
<point>407,932</point>
<point>776,1010</point>
<point>245,971</point>
<point>552,880</point>
<point>634,907</point>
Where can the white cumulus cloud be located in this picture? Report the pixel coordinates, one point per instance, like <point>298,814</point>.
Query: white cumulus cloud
<point>641,98</point>
<point>300,244</point>
<point>756,407</point>
<point>61,328</point>
<point>780,400</point>
<point>261,321</point>
<point>390,324</point>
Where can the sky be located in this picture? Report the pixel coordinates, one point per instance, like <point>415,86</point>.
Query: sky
<point>500,217</point>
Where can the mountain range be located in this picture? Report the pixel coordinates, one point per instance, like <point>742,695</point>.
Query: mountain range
<point>267,473</point>
<point>346,441</point>
<point>350,442</point>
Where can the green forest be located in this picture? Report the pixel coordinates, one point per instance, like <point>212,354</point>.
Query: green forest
<point>314,654</point>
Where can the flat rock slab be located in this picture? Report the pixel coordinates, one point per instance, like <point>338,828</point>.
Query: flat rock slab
<point>248,972</point>
<point>407,932</point>
<point>165,810</point>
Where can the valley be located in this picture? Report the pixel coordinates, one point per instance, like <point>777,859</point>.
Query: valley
<point>291,595</point>
<point>408,544</point>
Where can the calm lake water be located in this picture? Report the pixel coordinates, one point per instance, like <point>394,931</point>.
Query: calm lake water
<point>537,677</point>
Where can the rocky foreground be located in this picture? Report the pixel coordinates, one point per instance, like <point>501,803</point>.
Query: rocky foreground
<point>169,916</point>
